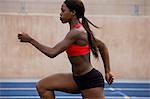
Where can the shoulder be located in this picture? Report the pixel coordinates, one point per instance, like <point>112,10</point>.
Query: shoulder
<point>74,33</point>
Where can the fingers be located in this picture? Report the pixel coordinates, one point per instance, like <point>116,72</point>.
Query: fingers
<point>23,37</point>
<point>20,36</point>
<point>111,79</point>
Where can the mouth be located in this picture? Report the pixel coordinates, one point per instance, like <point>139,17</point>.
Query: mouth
<point>60,18</point>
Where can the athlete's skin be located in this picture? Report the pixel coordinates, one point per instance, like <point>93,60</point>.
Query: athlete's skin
<point>80,64</point>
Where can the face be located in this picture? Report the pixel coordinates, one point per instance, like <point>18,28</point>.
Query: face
<point>66,14</point>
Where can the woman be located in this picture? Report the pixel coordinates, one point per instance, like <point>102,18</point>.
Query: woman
<point>77,43</point>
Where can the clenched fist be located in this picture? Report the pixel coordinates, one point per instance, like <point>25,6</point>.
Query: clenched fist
<point>24,37</point>
<point>109,78</point>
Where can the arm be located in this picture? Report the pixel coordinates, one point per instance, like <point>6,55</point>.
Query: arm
<point>105,57</point>
<point>48,51</point>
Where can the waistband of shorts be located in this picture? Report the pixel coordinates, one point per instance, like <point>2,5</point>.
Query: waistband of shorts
<point>86,74</point>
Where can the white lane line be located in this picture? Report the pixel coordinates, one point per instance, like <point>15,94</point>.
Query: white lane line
<point>18,89</point>
<point>67,97</point>
<point>133,89</point>
<point>27,97</point>
<point>112,89</point>
<point>36,80</point>
<point>121,93</point>
<point>9,97</point>
<point>127,98</point>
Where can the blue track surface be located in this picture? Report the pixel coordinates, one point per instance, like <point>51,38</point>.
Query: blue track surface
<point>121,90</point>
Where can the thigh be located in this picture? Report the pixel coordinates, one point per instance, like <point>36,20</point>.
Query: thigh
<point>60,82</point>
<point>93,93</point>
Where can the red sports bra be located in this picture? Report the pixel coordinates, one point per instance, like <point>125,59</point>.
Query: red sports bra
<point>77,50</point>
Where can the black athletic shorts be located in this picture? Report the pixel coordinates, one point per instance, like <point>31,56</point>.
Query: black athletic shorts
<point>89,80</point>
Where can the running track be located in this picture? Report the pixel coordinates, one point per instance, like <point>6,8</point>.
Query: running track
<point>21,89</point>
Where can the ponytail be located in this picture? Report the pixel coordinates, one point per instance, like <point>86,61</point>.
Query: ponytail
<point>91,38</point>
<point>78,7</point>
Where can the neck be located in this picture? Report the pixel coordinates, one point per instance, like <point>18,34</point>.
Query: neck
<point>73,22</point>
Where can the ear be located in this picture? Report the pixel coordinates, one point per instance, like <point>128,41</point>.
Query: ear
<point>73,12</point>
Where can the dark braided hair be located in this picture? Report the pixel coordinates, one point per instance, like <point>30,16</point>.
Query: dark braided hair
<point>78,7</point>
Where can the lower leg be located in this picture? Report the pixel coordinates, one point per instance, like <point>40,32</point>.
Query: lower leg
<point>93,93</point>
<point>47,95</point>
<point>44,93</point>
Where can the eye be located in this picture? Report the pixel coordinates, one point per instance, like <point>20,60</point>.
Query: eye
<point>62,9</point>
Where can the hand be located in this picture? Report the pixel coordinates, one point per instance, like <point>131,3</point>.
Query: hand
<point>24,37</point>
<point>109,78</point>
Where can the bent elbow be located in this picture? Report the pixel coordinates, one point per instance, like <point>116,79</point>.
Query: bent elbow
<point>101,45</point>
<point>52,56</point>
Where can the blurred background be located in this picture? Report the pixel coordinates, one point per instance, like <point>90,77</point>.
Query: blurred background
<point>125,31</point>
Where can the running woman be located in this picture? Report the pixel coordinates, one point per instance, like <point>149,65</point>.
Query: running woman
<point>78,43</point>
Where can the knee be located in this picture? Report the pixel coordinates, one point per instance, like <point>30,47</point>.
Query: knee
<point>43,92</point>
<point>40,88</point>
